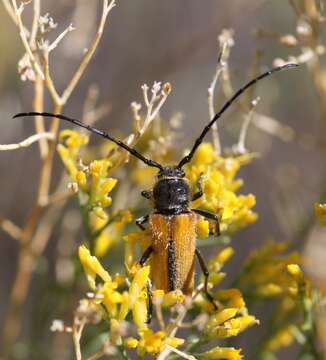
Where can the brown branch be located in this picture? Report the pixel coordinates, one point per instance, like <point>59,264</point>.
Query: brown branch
<point>10,228</point>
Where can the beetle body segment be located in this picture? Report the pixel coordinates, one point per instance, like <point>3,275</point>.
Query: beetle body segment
<point>173,242</point>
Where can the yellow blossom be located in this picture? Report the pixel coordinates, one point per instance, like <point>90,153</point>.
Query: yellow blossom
<point>232,297</point>
<point>111,297</point>
<point>205,154</point>
<point>220,317</point>
<point>140,311</point>
<point>138,283</point>
<point>81,179</point>
<point>202,228</point>
<point>131,342</point>
<point>220,187</point>
<point>282,338</point>
<point>173,297</point>
<point>221,353</point>
<point>151,342</point>
<point>269,290</point>
<point>92,267</point>
<point>320,211</point>
<point>232,327</point>
<point>217,261</point>
<point>112,232</point>
<point>295,271</point>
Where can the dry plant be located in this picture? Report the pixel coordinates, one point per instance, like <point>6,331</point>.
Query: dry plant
<point>34,66</point>
<point>113,314</point>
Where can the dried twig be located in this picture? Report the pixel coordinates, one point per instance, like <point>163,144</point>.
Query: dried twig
<point>23,36</point>
<point>180,353</point>
<point>77,331</point>
<point>240,146</point>
<point>34,221</point>
<point>27,142</point>
<point>107,7</point>
<point>225,43</point>
<point>10,228</point>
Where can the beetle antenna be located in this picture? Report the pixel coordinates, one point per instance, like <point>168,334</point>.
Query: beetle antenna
<point>98,132</point>
<point>199,140</point>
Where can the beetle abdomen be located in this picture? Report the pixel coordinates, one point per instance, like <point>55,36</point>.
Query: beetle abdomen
<point>173,241</point>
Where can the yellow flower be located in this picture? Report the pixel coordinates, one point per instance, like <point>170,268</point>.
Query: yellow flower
<point>111,297</point>
<point>221,353</point>
<point>69,150</point>
<point>142,238</point>
<point>220,187</point>
<point>111,234</point>
<point>140,310</point>
<point>73,140</point>
<point>269,290</point>
<point>205,154</point>
<point>81,179</point>
<point>232,297</point>
<point>92,267</point>
<point>232,327</point>
<point>216,262</point>
<point>320,211</point>
<point>151,342</point>
<point>202,228</point>
<point>131,343</point>
<point>295,271</point>
<point>139,282</point>
<point>173,297</point>
<point>220,317</point>
<point>282,338</point>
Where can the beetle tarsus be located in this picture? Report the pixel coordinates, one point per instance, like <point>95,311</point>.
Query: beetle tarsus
<point>147,253</point>
<point>140,221</point>
<point>205,271</point>
<point>200,191</point>
<point>147,194</point>
<point>209,216</point>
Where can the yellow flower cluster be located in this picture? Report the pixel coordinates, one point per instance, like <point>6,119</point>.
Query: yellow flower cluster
<point>91,180</point>
<point>94,186</point>
<point>220,187</point>
<point>232,316</point>
<point>299,293</point>
<point>265,271</point>
<point>111,232</point>
<point>151,342</point>
<point>270,272</point>
<point>115,303</point>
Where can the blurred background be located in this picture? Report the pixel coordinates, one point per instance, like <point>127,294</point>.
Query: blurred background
<point>176,42</point>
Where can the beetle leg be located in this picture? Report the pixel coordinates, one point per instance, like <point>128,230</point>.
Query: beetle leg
<point>200,191</point>
<point>149,302</point>
<point>206,274</point>
<point>209,216</point>
<point>141,221</point>
<point>147,253</point>
<point>146,194</point>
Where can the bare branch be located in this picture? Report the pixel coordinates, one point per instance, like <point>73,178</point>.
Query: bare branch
<point>10,228</point>
<point>60,37</point>
<point>27,142</point>
<point>240,146</point>
<point>225,43</point>
<point>36,16</point>
<point>87,57</point>
<point>18,13</point>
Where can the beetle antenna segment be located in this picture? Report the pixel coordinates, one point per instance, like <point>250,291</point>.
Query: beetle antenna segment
<point>98,132</point>
<point>199,140</point>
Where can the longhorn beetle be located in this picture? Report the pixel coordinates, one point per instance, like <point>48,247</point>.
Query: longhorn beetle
<point>173,222</point>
